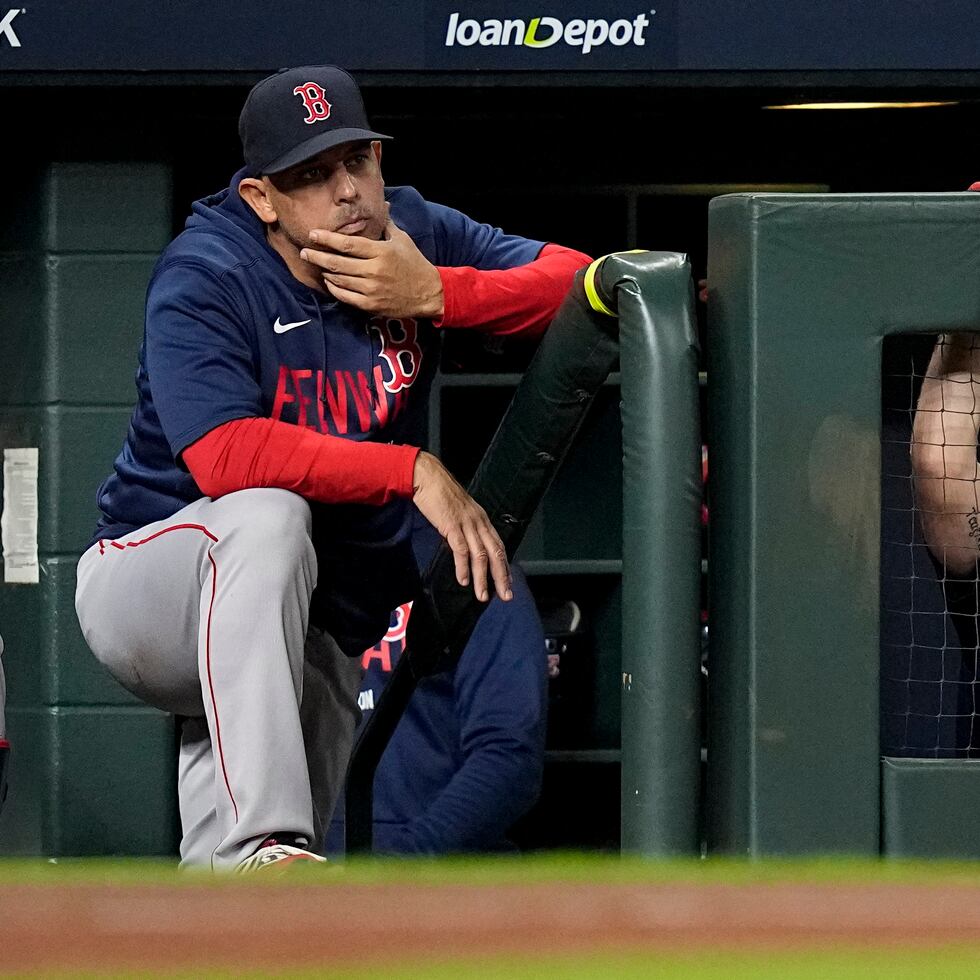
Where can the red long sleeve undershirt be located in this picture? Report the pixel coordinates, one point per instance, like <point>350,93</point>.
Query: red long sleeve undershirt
<point>260,452</point>
<point>257,452</point>
<point>521,301</point>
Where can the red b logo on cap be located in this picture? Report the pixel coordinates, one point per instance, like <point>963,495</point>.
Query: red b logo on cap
<point>315,100</point>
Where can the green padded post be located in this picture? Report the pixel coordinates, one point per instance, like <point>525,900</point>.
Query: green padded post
<point>91,770</point>
<point>661,654</point>
<point>929,808</point>
<point>803,289</point>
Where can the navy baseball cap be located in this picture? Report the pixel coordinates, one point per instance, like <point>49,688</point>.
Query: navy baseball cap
<point>298,113</point>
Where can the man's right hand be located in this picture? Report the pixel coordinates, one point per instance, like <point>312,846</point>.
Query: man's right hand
<point>464,524</point>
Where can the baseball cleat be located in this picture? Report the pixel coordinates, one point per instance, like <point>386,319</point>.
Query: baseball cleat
<point>273,854</point>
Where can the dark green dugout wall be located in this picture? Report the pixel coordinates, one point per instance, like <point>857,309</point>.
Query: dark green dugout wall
<point>803,289</point>
<point>91,768</point>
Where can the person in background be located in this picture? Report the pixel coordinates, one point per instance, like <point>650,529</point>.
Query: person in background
<point>466,759</point>
<point>944,453</point>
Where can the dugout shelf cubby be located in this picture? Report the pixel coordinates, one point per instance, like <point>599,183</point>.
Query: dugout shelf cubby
<point>464,412</point>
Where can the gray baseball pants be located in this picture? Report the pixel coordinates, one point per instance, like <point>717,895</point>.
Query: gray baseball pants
<point>206,615</point>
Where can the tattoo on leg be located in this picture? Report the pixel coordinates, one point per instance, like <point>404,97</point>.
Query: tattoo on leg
<point>974,521</point>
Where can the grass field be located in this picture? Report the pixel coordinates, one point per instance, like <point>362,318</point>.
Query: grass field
<point>570,916</point>
<point>854,964</point>
<point>546,868</point>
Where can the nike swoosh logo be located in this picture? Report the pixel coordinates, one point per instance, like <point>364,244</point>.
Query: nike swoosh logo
<point>283,327</point>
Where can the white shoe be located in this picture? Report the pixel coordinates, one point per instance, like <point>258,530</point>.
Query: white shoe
<point>271,853</point>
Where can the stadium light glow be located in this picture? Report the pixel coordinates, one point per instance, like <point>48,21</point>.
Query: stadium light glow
<point>860,105</point>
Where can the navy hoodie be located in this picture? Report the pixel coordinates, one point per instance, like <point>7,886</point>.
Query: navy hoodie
<point>213,351</point>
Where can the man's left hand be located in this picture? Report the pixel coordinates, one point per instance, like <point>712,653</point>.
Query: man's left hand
<point>391,276</point>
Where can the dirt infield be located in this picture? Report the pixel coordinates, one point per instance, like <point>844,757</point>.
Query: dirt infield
<point>281,926</point>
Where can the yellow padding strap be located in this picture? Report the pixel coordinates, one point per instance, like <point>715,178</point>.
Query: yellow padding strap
<point>590,291</point>
<point>595,301</point>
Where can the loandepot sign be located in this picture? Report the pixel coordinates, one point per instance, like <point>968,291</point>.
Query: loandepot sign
<point>543,32</point>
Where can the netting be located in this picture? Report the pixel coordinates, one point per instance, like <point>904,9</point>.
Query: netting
<point>930,533</point>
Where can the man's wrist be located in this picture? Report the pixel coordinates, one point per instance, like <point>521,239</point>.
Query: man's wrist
<point>435,305</point>
<point>421,464</point>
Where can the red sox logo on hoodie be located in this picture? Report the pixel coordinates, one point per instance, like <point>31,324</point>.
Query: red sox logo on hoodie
<point>393,642</point>
<point>315,100</point>
<point>399,350</point>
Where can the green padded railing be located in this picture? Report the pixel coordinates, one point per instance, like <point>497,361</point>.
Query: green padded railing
<point>661,652</point>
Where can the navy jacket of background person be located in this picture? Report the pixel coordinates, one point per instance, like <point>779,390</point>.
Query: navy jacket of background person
<point>467,757</point>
